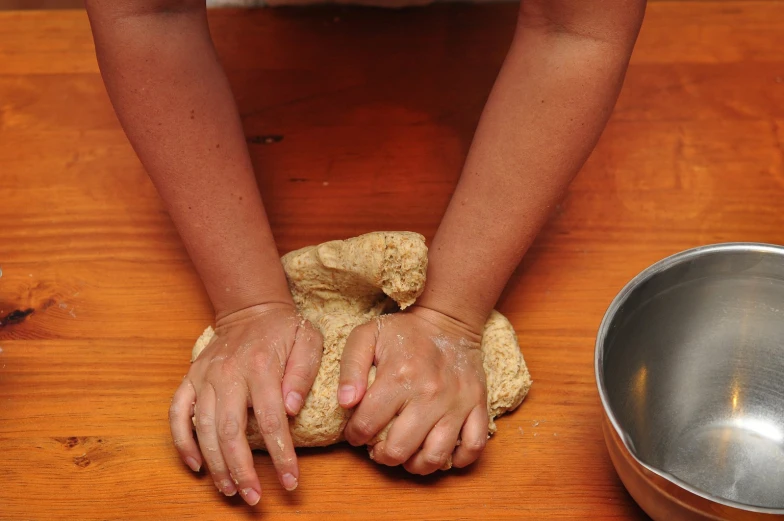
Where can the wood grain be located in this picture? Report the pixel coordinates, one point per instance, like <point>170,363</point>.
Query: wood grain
<point>376,110</point>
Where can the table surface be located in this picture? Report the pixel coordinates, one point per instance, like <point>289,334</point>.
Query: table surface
<point>376,110</point>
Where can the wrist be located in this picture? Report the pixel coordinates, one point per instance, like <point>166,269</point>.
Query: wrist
<point>241,298</point>
<point>254,311</point>
<point>459,283</point>
<point>449,322</point>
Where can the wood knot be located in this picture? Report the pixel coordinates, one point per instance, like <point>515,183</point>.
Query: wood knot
<point>82,461</point>
<point>15,317</point>
<point>70,442</point>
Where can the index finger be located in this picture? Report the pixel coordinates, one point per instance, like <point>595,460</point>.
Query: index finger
<point>181,425</point>
<point>274,427</point>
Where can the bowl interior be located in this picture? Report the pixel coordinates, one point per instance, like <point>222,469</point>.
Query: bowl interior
<point>693,373</point>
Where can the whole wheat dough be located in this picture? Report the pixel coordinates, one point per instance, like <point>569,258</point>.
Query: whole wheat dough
<point>339,285</point>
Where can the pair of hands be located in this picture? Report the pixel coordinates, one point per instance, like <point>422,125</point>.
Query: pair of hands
<point>428,373</point>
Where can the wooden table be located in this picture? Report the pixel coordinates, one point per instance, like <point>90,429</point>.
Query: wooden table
<point>376,110</point>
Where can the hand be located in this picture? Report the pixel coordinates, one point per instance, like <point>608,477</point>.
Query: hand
<point>258,356</point>
<point>429,372</point>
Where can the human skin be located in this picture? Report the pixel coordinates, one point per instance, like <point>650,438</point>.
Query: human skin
<point>547,109</point>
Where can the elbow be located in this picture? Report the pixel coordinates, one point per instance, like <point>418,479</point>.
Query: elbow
<point>613,23</point>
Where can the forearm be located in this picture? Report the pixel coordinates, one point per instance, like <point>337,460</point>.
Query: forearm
<point>176,106</point>
<point>545,114</point>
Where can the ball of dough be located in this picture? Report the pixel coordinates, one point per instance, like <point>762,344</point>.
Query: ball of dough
<point>339,285</point>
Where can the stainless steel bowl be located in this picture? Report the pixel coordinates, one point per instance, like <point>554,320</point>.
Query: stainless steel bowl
<point>690,370</point>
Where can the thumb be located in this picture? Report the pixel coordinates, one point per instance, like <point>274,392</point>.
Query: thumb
<point>302,367</point>
<point>355,364</point>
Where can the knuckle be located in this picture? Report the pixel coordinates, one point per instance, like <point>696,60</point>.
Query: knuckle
<point>241,473</point>
<point>474,445</point>
<point>363,426</point>
<point>262,362</point>
<point>229,428</point>
<point>204,421</point>
<point>395,454</point>
<point>229,370</point>
<point>405,372</point>
<point>181,443</point>
<point>215,465</point>
<point>269,423</point>
<point>429,390</point>
<point>351,368</point>
<point>436,458</point>
<point>298,374</point>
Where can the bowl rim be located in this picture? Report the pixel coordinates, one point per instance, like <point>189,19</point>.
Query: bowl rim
<point>617,302</point>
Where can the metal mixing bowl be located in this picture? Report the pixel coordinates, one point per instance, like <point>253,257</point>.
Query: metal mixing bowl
<point>690,370</point>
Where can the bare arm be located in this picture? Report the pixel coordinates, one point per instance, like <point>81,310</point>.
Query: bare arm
<point>549,105</point>
<point>175,104</point>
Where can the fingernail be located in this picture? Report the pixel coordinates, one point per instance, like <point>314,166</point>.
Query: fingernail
<point>195,467</point>
<point>346,394</point>
<point>293,401</point>
<point>289,482</point>
<point>228,488</point>
<point>251,496</point>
